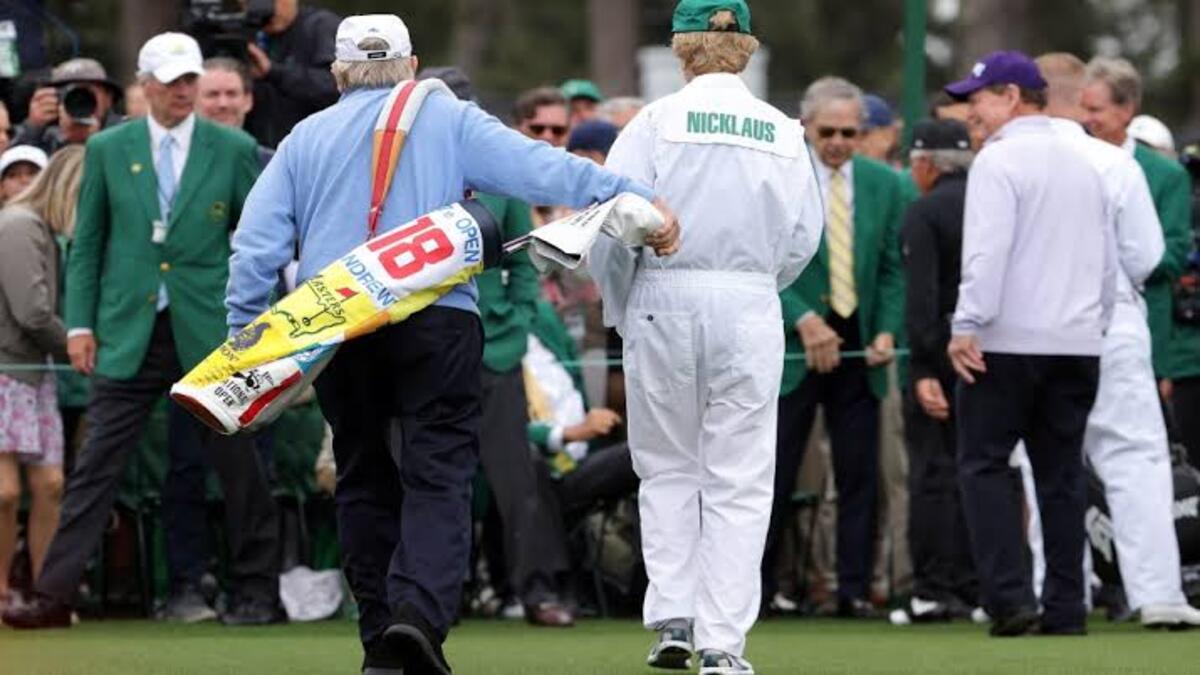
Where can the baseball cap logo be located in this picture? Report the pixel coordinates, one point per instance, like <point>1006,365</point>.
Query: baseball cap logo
<point>978,69</point>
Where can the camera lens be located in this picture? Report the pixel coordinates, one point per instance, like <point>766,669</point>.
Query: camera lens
<point>79,101</point>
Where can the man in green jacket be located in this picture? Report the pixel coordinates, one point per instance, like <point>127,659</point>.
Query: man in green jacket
<point>851,298</point>
<point>145,288</point>
<point>1111,99</point>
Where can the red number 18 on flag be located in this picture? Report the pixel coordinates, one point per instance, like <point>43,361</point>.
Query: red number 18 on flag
<point>407,251</point>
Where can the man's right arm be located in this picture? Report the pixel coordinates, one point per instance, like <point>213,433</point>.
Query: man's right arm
<point>500,160</point>
<point>989,223</point>
<point>87,247</point>
<point>263,243</point>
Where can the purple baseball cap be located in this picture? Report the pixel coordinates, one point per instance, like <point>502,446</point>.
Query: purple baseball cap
<point>999,68</point>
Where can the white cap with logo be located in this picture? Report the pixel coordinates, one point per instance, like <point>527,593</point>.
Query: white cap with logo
<point>386,27</point>
<point>169,56</point>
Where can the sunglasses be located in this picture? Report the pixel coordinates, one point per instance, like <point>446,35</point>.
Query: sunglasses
<point>539,129</point>
<point>846,132</point>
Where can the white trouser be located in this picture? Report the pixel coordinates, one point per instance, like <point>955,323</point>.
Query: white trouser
<point>1126,442</point>
<point>703,363</point>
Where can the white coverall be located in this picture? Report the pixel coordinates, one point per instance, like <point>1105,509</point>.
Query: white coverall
<point>703,341</point>
<point>1126,437</point>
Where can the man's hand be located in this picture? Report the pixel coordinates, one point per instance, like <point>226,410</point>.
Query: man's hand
<point>1166,388</point>
<point>932,398</point>
<point>599,423</point>
<point>260,63</point>
<point>821,344</point>
<point>665,240</point>
<point>43,107</point>
<point>966,356</point>
<point>82,350</point>
<point>881,351</point>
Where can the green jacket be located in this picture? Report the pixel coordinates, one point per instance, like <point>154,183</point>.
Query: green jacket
<point>507,293</point>
<point>1172,192</point>
<point>114,270</point>
<point>879,201</point>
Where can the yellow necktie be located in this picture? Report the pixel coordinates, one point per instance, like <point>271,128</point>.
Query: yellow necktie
<point>840,241</point>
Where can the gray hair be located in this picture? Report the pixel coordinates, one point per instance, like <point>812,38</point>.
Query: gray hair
<point>946,161</point>
<point>619,104</point>
<point>1121,77</point>
<point>371,74</point>
<point>829,89</point>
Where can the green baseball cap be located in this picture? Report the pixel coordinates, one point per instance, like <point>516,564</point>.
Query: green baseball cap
<point>692,16</point>
<point>581,89</point>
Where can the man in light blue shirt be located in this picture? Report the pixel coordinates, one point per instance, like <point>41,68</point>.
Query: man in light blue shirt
<point>404,402</point>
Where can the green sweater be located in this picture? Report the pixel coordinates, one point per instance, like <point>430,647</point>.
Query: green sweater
<point>507,293</point>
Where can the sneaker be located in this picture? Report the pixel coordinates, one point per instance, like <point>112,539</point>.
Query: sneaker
<point>980,616</point>
<point>673,651</point>
<point>187,606</point>
<point>1175,617</point>
<point>413,639</point>
<point>919,610</point>
<point>713,662</point>
<point>782,604</point>
<point>512,611</point>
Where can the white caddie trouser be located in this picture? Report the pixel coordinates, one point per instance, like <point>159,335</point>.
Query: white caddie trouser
<point>701,401</point>
<point>704,336</point>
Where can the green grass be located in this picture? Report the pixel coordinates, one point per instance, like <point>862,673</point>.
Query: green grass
<point>594,647</point>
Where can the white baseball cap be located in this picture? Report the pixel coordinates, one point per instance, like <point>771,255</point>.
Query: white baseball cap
<point>23,153</point>
<point>386,27</point>
<point>169,56</point>
<point>1152,132</point>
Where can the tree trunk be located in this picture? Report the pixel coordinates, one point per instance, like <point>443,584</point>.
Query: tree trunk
<point>141,21</point>
<point>474,26</point>
<point>991,25</point>
<point>613,31</point>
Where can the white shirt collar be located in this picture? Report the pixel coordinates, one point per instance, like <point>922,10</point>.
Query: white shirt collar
<point>1130,144</point>
<point>182,133</point>
<point>717,81</point>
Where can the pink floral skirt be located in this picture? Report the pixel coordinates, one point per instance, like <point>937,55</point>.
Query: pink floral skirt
<point>30,425</point>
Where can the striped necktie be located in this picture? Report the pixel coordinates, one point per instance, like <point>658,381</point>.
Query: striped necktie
<point>840,240</point>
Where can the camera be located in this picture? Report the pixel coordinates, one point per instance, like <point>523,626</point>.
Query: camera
<point>224,27</point>
<point>79,102</point>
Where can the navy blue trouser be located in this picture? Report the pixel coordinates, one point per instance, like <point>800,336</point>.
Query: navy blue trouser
<point>404,404</point>
<point>852,420</point>
<point>184,501</point>
<point>1044,401</point>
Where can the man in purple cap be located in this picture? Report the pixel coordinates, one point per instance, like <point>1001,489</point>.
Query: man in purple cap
<point>1037,291</point>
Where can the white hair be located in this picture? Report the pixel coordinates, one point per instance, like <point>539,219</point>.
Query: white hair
<point>946,161</point>
<point>619,104</point>
<point>829,89</point>
<point>371,74</point>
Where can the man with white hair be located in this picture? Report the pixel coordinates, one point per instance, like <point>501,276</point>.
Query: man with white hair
<point>404,401</point>
<point>144,280</point>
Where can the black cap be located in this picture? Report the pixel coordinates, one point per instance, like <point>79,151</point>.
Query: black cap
<point>454,78</point>
<point>941,135</point>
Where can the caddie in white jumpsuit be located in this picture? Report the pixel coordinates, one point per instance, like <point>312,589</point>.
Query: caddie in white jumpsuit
<point>1126,438</point>
<point>703,350</point>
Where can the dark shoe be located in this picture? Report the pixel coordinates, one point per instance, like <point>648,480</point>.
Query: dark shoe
<point>187,605</point>
<point>39,611</point>
<point>1014,624</point>
<point>413,640</point>
<point>551,614</point>
<point>857,609</point>
<point>254,613</point>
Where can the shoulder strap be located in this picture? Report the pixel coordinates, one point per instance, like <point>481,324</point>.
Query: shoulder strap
<point>392,127</point>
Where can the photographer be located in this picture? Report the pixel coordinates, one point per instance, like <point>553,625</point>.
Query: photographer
<point>290,66</point>
<point>77,102</point>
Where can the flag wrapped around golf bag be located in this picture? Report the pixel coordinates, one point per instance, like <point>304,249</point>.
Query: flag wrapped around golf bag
<point>256,373</point>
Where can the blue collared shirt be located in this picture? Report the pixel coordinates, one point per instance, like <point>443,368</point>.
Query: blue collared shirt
<point>316,190</point>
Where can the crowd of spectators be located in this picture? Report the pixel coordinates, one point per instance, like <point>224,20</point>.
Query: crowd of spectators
<point>169,160</point>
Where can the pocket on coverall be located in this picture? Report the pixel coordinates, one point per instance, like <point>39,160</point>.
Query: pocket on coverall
<point>661,357</point>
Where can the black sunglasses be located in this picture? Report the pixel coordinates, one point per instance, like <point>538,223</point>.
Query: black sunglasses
<point>846,132</point>
<point>539,129</point>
